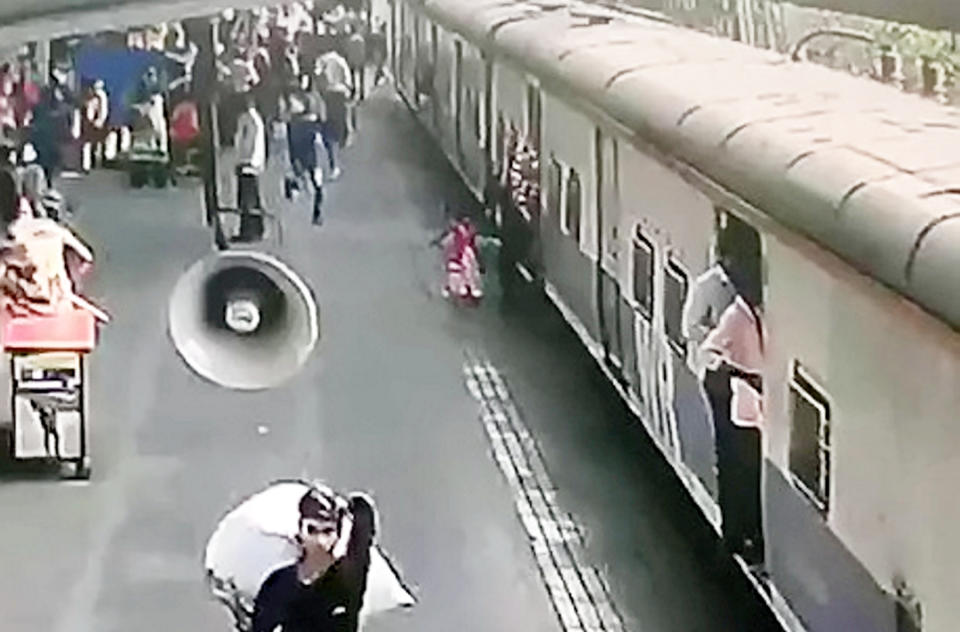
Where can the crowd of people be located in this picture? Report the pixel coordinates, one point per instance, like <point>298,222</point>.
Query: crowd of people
<point>297,72</point>
<point>41,258</point>
<point>300,68</point>
<point>289,81</point>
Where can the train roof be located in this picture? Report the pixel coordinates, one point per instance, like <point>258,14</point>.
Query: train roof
<point>869,172</point>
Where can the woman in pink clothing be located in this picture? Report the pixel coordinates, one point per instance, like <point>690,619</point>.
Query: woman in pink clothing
<point>463,280</point>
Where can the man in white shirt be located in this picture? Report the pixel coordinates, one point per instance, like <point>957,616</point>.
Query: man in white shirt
<point>711,294</point>
<point>335,79</point>
<point>243,73</point>
<point>335,71</point>
<point>251,156</point>
<point>94,124</point>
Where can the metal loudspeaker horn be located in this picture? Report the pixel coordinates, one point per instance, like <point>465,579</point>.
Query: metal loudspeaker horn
<point>243,320</point>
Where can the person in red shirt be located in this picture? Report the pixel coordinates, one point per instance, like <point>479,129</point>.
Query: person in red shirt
<point>27,94</point>
<point>184,130</point>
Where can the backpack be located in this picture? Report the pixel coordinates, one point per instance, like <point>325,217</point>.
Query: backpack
<point>355,50</point>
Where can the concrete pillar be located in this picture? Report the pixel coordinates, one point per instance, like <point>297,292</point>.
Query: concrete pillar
<point>204,92</point>
<point>41,60</point>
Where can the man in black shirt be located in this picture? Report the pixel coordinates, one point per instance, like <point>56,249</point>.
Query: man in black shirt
<point>377,50</point>
<point>323,590</point>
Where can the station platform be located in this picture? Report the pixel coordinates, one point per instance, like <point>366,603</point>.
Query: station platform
<point>515,492</point>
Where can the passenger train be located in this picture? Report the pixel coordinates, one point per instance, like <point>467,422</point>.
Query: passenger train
<point>652,141</point>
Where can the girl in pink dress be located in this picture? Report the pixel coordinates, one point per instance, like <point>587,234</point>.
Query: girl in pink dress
<point>462,261</point>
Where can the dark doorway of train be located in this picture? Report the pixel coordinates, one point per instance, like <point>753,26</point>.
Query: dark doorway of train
<point>532,260</point>
<point>607,285</point>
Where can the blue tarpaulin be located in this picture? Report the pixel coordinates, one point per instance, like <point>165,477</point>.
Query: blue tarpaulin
<point>121,70</point>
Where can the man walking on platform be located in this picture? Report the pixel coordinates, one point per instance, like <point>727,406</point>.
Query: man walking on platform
<point>94,125</point>
<point>355,50</point>
<point>302,129</point>
<point>243,79</point>
<point>251,156</point>
<point>377,50</point>
<point>335,80</point>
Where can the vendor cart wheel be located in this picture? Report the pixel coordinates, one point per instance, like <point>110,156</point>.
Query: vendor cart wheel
<point>159,177</point>
<point>6,442</point>
<point>138,177</point>
<point>82,470</point>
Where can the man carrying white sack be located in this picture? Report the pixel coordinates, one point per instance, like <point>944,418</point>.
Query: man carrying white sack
<point>299,557</point>
<point>323,591</point>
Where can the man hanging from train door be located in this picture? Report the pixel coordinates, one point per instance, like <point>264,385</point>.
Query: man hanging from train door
<point>730,362</point>
<point>710,295</point>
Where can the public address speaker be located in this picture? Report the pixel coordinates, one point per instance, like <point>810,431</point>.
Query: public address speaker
<point>243,320</point>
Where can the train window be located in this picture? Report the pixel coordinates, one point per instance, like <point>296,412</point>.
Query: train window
<point>501,142</point>
<point>481,121</point>
<point>403,20</point>
<point>456,86</point>
<point>486,103</point>
<point>571,222</point>
<point>477,117</point>
<point>676,282</point>
<point>417,37</point>
<point>407,57</point>
<point>472,112</point>
<point>643,274</point>
<point>419,61</point>
<point>554,188</point>
<point>810,439</point>
<point>533,115</point>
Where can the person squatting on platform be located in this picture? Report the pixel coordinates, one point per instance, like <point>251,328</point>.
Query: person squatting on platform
<point>40,262</point>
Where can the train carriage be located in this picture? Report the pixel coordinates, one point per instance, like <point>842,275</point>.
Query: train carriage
<point>655,142</point>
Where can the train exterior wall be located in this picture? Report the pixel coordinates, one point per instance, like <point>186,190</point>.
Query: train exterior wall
<point>679,220</point>
<point>406,54</point>
<point>471,152</point>
<point>444,93</point>
<point>891,373</point>
<point>823,582</point>
<point>568,138</point>
<point>509,86</point>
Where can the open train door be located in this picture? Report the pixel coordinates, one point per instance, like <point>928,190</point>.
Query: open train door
<point>608,261</point>
<point>533,261</point>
